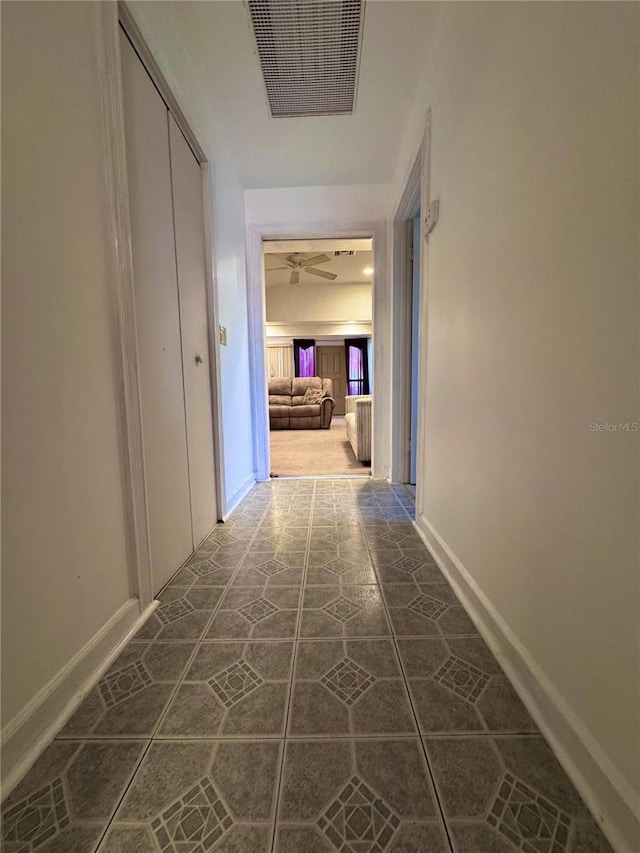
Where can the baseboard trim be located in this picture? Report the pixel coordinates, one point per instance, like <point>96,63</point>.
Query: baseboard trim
<point>28,734</point>
<point>239,494</point>
<point>607,794</point>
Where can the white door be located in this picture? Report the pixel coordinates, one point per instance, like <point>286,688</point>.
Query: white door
<point>157,320</point>
<point>186,177</point>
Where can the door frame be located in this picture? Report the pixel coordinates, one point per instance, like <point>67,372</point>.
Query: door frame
<point>110,16</point>
<point>402,309</point>
<point>380,331</point>
<point>416,194</point>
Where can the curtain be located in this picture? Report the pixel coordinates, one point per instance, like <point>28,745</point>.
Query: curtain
<point>304,357</point>
<point>357,366</point>
<point>279,360</point>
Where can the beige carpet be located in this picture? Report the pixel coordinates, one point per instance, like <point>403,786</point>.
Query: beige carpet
<point>306,452</point>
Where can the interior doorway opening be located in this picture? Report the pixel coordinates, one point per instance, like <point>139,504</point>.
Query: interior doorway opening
<point>318,355</point>
<point>408,315</point>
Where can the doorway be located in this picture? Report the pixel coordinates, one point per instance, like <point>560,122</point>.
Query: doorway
<point>257,234</point>
<point>409,298</point>
<point>318,328</point>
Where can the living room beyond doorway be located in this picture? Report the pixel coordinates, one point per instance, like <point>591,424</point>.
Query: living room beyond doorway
<point>318,300</point>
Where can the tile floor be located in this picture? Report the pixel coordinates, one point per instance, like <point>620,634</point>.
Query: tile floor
<point>308,683</point>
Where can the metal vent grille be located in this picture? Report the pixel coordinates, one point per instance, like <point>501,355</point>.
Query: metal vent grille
<point>309,54</point>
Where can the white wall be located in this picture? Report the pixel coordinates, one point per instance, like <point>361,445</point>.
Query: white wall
<point>533,335</point>
<point>311,303</point>
<point>311,205</point>
<point>155,21</point>
<point>64,572</point>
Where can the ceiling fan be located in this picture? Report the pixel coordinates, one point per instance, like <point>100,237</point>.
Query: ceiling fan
<point>299,262</point>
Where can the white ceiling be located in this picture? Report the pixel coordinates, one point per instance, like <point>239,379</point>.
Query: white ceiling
<point>217,40</point>
<point>349,269</point>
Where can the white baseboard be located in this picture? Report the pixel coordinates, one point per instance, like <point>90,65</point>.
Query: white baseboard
<point>607,794</point>
<point>28,734</point>
<point>239,494</point>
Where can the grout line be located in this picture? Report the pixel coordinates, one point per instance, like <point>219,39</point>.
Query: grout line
<point>293,670</point>
<point>103,834</point>
<point>413,710</point>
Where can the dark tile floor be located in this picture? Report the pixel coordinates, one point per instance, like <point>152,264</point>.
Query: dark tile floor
<point>308,683</point>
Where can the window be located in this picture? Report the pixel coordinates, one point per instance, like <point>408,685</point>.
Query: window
<point>357,366</point>
<point>304,357</point>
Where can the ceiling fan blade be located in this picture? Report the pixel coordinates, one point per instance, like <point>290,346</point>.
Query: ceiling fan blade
<point>295,277</point>
<point>273,269</point>
<point>317,259</point>
<point>330,275</point>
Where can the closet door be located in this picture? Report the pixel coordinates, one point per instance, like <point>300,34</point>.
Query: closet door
<point>188,212</point>
<point>157,320</point>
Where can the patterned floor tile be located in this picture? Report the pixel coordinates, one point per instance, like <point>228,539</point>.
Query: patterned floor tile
<point>278,515</point>
<point>397,564</point>
<point>357,796</point>
<point>65,801</point>
<point>223,535</point>
<point>227,554</point>
<point>348,687</point>
<point>275,567</point>
<point>130,698</point>
<point>510,794</point>
<point>426,610</point>
<point>267,612</point>
<point>343,611</point>
<point>274,571</point>
<point>277,536</point>
<point>232,689</point>
<point>324,516</point>
<point>183,613</point>
<point>332,561</point>
<point>340,531</point>
<point>199,796</point>
<point>345,561</point>
<point>205,572</point>
<point>384,533</point>
<point>458,686</point>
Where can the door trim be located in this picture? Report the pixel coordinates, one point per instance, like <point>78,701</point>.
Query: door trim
<point>401,297</point>
<point>380,332</point>
<point>120,265</point>
<point>416,194</point>
<point>109,16</point>
<point>153,70</point>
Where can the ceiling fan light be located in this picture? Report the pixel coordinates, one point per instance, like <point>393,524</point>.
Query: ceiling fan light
<point>368,271</point>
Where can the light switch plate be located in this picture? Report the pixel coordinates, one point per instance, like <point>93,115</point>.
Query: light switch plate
<point>223,336</point>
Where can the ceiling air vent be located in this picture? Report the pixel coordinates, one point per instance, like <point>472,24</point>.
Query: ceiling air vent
<point>344,253</point>
<point>309,54</point>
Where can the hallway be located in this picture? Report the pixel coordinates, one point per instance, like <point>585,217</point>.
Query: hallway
<point>308,683</point>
